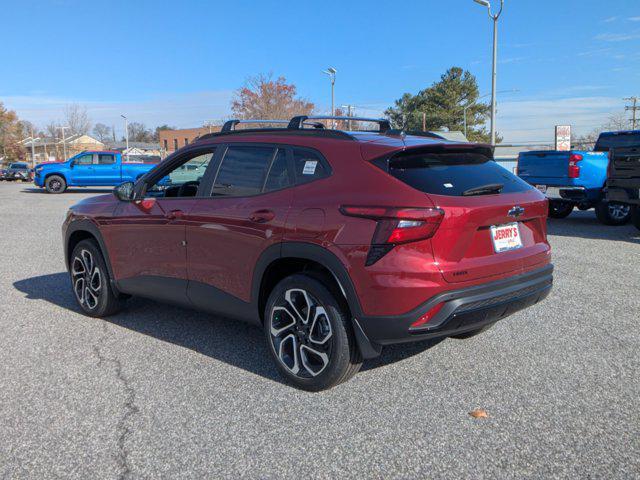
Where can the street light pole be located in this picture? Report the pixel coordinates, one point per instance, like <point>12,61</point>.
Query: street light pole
<point>332,75</point>
<point>471,104</point>
<point>126,136</point>
<point>494,74</point>
<point>33,149</point>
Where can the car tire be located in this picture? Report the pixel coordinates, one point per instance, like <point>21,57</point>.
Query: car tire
<point>309,334</point>
<point>559,209</point>
<point>613,213</point>
<point>91,282</point>
<point>55,184</point>
<point>472,333</point>
<point>635,216</point>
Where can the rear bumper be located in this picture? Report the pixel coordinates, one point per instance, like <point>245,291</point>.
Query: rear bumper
<point>571,193</point>
<point>464,310</point>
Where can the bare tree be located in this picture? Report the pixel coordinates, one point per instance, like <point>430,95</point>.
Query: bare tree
<point>51,129</point>
<point>138,132</point>
<point>263,97</point>
<point>102,132</point>
<point>77,119</point>
<point>618,121</point>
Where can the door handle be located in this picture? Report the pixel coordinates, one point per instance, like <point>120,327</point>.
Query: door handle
<point>174,214</point>
<point>262,216</point>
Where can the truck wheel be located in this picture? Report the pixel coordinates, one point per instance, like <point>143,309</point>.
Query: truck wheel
<point>309,334</point>
<point>635,216</point>
<point>55,184</point>
<point>613,213</point>
<point>559,209</point>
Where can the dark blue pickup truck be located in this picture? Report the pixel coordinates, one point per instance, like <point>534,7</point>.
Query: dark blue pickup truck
<point>572,179</point>
<point>88,169</point>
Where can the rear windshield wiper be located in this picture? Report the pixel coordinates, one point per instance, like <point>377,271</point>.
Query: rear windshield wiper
<point>484,189</point>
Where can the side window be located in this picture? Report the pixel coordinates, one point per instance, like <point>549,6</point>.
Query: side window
<point>86,159</point>
<point>106,159</point>
<point>278,176</point>
<point>184,179</point>
<point>243,171</point>
<point>308,166</point>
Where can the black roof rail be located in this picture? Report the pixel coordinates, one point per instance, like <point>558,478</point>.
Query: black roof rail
<point>306,132</point>
<point>230,125</point>
<point>298,122</point>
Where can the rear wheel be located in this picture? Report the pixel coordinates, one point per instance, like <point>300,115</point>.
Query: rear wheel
<point>560,209</point>
<point>55,184</point>
<point>91,281</point>
<point>612,213</point>
<point>635,216</point>
<point>309,334</point>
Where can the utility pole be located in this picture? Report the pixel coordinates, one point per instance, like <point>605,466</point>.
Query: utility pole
<point>424,121</point>
<point>126,133</point>
<point>494,75</point>
<point>349,114</point>
<point>33,149</point>
<point>633,108</point>
<point>64,142</point>
<point>332,75</point>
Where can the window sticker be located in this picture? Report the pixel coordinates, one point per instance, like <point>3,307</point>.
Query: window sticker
<point>309,167</point>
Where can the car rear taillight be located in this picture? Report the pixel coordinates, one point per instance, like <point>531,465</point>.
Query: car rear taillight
<point>574,168</point>
<point>396,226</point>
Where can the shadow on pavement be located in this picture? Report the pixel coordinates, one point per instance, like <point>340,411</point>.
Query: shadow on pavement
<point>233,342</point>
<point>585,225</point>
<point>69,190</point>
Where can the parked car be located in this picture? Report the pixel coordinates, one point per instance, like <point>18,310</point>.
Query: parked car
<point>623,175</point>
<point>572,179</point>
<point>3,172</point>
<point>18,171</point>
<point>335,243</point>
<point>88,169</point>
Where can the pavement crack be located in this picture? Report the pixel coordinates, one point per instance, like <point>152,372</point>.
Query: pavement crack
<point>129,407</point>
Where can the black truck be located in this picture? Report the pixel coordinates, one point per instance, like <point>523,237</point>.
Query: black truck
<point>623,174</point>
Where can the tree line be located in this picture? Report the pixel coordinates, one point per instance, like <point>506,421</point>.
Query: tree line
<point>449,103</point>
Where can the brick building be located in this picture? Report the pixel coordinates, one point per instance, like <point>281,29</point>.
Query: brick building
<point>172,140</point>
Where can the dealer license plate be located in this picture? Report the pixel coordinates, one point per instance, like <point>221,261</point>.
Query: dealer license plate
<point>506,237</point>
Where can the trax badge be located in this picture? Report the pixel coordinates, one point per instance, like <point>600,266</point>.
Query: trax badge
<point>515,212</point>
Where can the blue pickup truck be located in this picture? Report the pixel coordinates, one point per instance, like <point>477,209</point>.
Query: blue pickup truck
<point>88,169</point>
<point>572,179</point>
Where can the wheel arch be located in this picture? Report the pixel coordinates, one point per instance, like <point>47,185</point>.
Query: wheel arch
<point>82,230</point>
<point>282,260</point>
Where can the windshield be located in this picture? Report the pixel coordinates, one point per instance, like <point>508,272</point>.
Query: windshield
<point>20,166</point>
<point>607,141</point>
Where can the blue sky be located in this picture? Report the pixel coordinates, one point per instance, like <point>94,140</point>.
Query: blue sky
<point>179,62</point>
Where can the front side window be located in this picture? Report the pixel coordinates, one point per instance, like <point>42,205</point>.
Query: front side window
<point>243,171</point>
<point>308,166</point>
<point>184,179</point>
<point>84,159</point>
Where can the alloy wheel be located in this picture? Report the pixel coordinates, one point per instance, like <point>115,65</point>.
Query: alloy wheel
<point>87,279</point>
<point>55,185</point>
<point>619,211</point>
<point>301,333</point>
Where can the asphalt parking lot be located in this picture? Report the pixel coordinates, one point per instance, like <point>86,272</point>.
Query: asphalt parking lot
<point>159,392</point>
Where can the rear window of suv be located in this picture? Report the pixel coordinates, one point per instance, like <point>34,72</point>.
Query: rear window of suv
<point>454,174</point>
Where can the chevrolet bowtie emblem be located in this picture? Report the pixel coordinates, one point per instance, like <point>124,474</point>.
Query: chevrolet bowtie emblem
<point>516,212</point>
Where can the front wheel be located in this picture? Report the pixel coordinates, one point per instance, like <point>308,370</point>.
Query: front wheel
<point>91,282</point>
<point>613,213</point>
<point>309,334</point>
<point>55,184</point>
<point>559,209</point>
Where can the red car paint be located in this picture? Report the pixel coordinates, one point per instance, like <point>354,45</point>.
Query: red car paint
<point>218,241</point>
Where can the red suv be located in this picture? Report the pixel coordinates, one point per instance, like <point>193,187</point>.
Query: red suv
<point>335,242</point>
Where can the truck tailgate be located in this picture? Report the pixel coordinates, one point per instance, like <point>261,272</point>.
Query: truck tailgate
<point>548,167</point>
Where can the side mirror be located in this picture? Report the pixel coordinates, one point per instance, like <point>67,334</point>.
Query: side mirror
<point>71,164</point>
<point>124,191</point>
